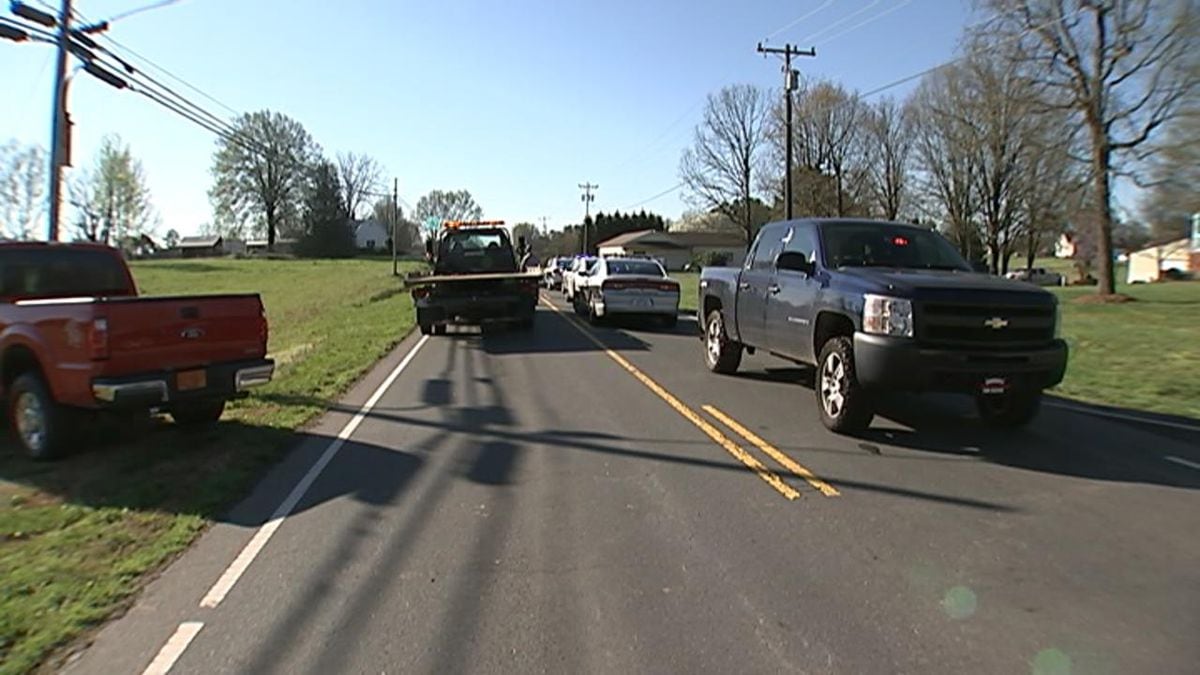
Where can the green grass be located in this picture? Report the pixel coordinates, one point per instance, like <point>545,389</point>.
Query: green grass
<point>1142,355</point>
<point>78,536</point>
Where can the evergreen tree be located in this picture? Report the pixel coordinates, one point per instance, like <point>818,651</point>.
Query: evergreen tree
<point>327,234</point>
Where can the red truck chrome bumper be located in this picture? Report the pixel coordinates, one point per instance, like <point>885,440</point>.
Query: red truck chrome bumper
<point>224,380</point>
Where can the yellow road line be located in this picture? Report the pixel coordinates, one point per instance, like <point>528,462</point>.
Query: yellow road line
<point>778,455</point>
<point>740,453</point>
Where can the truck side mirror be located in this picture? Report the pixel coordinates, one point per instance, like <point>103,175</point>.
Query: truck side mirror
<point>792,261</point>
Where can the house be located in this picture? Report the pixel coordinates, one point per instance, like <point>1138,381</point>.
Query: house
<point>371,235</point>
<point>205,246</point>
<point>1065,246</point>
<point>138,247</point>
<point>675,249</point>
<point>1153,263</point>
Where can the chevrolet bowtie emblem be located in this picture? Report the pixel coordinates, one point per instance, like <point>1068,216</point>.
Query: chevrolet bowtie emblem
<point>996,323</point>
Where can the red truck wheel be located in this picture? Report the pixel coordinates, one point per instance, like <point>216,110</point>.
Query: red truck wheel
<point>37,420</point>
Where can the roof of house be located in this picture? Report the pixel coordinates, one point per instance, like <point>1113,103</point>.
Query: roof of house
<point>199,242</point>
<point>254,243</point>
<point>643,237</point>
<point>370,223</point>
<point>708,239</point>
<point>1175,246</point>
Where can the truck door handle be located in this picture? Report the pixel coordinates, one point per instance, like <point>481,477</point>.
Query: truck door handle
<point>745,285</point>
<point>773,289</point>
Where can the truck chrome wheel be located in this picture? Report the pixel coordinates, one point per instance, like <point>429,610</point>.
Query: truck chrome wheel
<point>713,341</point>
<point>833,385</point>
<point>30,418</point>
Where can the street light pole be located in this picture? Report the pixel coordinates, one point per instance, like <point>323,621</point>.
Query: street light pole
<point>58,126</point>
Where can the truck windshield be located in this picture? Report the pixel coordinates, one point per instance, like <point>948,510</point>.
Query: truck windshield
<point>856,244</point>
<point>476,251</point>
<point>61,273</point>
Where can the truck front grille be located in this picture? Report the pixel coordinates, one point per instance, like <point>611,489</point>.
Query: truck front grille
<point>989,326</point>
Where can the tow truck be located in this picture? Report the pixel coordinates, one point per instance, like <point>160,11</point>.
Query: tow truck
<point>476,279</point>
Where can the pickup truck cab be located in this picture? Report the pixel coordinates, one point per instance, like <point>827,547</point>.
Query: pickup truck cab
<point>880,306</point>
<point>76,337</point>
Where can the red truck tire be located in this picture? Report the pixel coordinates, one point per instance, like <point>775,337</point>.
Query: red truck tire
<point>38,422</point>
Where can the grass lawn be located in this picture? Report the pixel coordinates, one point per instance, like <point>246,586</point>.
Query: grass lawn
<point>1141,355</point>
<point>77,536</point>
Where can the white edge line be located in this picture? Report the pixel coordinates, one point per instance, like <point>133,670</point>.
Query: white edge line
<point>1119,416</point>
<point>1182,461</point>
<point>174,648</point>
<point>239,565</point>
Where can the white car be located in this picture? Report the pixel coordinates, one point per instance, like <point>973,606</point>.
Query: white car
<point>627,287</point>
<point>579,268</point>
<point>1038,276</point>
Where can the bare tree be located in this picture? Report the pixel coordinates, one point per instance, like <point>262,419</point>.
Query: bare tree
<point>22,189</point>
<point>719,168</point>
<point>1118,65</point>
<point>111,200</point>
<point>1174,193</point>
<point>827,124</point>
<point>361,179</point>
<point>888,144</point>
<point>946,158</point>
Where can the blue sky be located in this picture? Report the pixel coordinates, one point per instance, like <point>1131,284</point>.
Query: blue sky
<point>517,101</point>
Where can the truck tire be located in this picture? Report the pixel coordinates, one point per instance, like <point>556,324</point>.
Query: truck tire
<point>1012,410</point>
<point>844,405</point>
<point>721,354</point>
<point>594,317</point>
<point>426,328</point>
<point>198,413</point>
<point>40,424</point>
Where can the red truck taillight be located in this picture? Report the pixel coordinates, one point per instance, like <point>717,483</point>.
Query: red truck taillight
<point>97,339</point>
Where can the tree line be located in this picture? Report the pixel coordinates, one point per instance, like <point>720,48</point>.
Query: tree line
<point>1016,141</point>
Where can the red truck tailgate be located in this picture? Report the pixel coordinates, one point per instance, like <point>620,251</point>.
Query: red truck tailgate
<point>168,333</point>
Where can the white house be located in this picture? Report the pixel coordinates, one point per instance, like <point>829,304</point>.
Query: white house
<point>370,235</point>
<point>1149,264</point>
<point>1064,247</point>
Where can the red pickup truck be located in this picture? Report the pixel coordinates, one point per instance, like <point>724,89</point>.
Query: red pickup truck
<point>75,337</point>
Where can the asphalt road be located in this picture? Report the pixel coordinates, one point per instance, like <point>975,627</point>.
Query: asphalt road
<point>534,503</point>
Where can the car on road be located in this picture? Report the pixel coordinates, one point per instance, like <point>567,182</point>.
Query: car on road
<point>476,280</point>
<point>879,306</point>
<point>580,267</point>
<point>552,277</point>
<point>1038,276</point>
<point>76,339</point>
<point>627,287</point>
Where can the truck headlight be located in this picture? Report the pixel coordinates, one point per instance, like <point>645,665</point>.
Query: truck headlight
<point>883,315</point>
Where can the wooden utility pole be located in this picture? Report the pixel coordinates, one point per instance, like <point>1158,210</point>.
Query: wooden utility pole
<point>587,197</point>
<point>791,79</point>
<point>395,223</point>
<point>58,124</point>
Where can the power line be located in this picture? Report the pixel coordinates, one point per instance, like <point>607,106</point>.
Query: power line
<point>170,75</point>
<point>840,21</point>
<point>664,193</point>
<point>797,20</point>
<point>923,73</point>
<point>866,21</point>
<point>146,8</point>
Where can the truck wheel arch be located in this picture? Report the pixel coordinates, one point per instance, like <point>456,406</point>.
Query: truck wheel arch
<point>830,325</point>
<point>18,359</point>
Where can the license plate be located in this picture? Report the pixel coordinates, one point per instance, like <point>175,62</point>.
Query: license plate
<point>642,302</point>
<point>189,380</point>
<point>994,385</point>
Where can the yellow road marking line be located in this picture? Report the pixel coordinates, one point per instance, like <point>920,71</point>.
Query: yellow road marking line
<point>740,453</point>
<point>778,455</point>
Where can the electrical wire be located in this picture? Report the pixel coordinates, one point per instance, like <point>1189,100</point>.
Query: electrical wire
<point>664,193</point>
<point>35,34</point>
<point>146,8</point>
<point>864,22</point>
<point>1021,34</point>
<point>797,20</point>
<point>840,21</point>
<point>169,74</point>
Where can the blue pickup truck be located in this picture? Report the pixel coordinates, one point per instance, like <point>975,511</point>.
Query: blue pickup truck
<point>879,306</point>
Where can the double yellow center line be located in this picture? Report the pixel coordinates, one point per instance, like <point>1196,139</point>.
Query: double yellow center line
<point>738,452</point>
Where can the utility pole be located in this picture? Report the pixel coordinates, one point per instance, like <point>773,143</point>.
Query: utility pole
<point>587,197</point>
<point>57,158</point>
<point>791,80</point>
<point>395,222</point>
<point>545,230</point>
